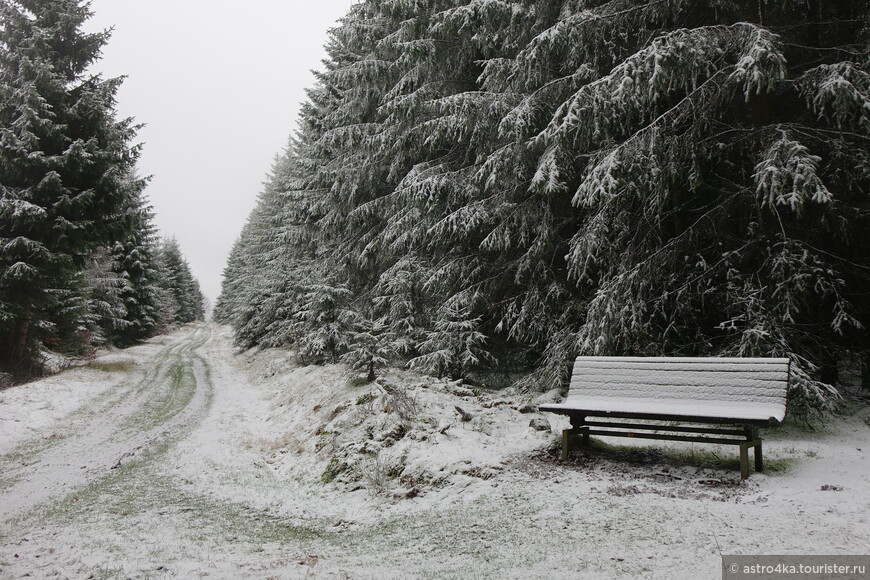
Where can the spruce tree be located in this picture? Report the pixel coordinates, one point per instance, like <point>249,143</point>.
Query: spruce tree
<point>135,260</point>
<point>371,348</point>
<point>181,295</point>
<point>264,284</point>
<point>718,174</point>
<point>104,313</point>
<point>326,323</point>
<point>64,162</point>
<point>227,303</point>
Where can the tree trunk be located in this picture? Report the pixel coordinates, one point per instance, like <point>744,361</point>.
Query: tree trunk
<point>20,337</point>
<point>753,12</point>
<point>814,18</point>
<point>865,371</point>
<point>829,373</point>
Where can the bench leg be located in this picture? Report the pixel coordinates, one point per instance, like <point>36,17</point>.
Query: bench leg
<point>754,441</point>
<point>566,442</point>
<point>576,429</point>
<point>744,460</point>
<point>759,460</point>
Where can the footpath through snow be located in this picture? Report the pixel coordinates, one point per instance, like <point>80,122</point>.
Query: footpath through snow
<point>180,458</point>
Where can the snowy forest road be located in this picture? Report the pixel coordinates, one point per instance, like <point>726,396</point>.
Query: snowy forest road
<point>151,470</point>
<point>160,401</point>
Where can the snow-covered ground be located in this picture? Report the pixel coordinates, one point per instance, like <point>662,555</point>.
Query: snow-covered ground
<point>180,458</point>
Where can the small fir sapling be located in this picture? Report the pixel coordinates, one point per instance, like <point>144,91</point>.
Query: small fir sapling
<point>371,348</point>
<point>455,347</point>
<point>325,323</point>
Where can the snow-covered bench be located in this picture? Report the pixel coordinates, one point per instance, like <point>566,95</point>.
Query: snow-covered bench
<point>712,400</point>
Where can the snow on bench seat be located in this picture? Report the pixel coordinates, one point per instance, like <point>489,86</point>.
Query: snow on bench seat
<point>742,389</point>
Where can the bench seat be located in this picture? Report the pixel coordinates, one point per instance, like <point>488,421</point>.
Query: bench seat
<point>710,411</point>
<point>744,392</point>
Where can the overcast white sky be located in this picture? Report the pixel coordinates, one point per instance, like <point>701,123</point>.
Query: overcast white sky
<point>218,85</point>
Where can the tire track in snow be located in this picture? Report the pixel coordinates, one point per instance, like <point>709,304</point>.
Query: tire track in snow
<point>168,398</point>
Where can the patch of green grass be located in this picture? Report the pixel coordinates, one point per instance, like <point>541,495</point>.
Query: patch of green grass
<point>178,395</point>
<point>25,453</point>
<point>111,493</point>
<point>137,490</point>
<point>366,398</point>
<point>778,465</point>
<point>232,521</point>
<point>333,468</point>
<point>171,395</point>
<point>358,380</point>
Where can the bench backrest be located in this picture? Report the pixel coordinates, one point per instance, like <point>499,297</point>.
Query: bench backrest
<point>706,381</point>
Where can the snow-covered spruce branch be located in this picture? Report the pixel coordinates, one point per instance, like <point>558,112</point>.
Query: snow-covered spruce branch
<point>466,20</point>
<point>840,94</point>
<point>679,63</point>
<point>787,176</point>
<point>519,122</point>
<point>512,229</point>
<point>608,176</point>
<point>575,32</point>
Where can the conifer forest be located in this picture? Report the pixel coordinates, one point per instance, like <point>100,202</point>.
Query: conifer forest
<point>81,265</point>
<point>402,372</point>
<point>498,186</point>
<point>478,187</point>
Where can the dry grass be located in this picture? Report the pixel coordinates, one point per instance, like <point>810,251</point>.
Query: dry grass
<point>287,442</point>
<point>115,366</point>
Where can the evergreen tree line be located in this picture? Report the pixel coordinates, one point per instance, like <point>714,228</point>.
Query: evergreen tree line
<point>80,263</point>
<point>513,183</point>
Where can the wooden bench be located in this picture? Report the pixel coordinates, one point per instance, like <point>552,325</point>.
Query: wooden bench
<point>711,400</point>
